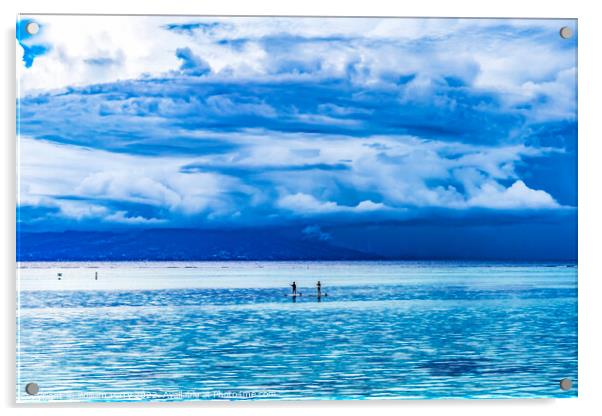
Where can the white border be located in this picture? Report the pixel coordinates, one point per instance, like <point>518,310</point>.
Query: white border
<point>590,207</point>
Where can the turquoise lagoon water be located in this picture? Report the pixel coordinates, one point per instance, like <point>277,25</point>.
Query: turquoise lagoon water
<point>227,331</point>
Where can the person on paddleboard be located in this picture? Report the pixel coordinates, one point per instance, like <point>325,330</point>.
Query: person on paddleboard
<point>319,286</point>
<point>294,285</point>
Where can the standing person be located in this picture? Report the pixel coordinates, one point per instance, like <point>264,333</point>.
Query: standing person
<point>294,285</point>
<point>319,286</point>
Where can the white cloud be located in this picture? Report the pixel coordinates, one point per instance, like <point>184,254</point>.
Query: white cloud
<point>307,204</point>
<point>305,174</point>
<point>302,174</point>
<point>122,217</point>
<point>514,64</point>
<point>136,44</point>
<point>304,204</point>
<point>79,210</point>
<point>49,172</point>
<point>560,95</point>
<point>518,195</point>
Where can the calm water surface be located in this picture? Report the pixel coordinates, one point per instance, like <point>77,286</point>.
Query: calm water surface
<point>175,331</point>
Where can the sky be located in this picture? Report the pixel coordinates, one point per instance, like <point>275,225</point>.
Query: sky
<point>370,133</point>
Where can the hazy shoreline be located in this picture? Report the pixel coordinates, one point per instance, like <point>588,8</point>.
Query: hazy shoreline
<point>198,263</point>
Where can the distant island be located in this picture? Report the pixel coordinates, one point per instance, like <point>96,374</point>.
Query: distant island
<point>178,244</point>
<point>270,244</point>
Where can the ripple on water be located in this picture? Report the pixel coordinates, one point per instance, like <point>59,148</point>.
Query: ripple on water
<point>435,340</point>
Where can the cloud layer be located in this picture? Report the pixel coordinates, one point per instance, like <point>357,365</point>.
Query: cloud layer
<point>247,121</point>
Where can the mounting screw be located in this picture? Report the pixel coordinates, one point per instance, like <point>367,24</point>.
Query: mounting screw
<point>566,32</point>
<point>566,384</point>
<point>32,389</point>
<point>32,28</point>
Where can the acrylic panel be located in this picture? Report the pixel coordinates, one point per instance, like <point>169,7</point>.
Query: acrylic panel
<point>293,208</point>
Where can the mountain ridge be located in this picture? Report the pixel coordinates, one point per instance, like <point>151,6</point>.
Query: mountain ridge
<point>180,244</point>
